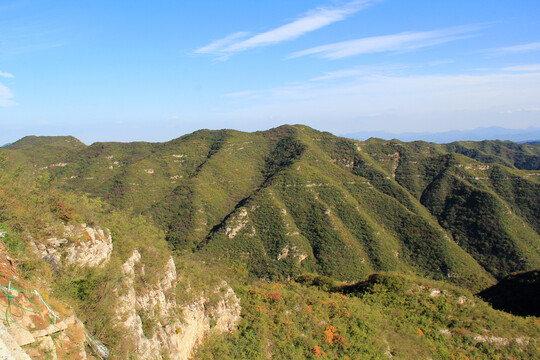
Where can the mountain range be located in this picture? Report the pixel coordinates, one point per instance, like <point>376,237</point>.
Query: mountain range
<point>279,204</point>
<point>292,199</point>
<point>530,134</point>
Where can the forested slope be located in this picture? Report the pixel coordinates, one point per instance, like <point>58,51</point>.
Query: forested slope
<point>297,221</point>
<point>292,199</point>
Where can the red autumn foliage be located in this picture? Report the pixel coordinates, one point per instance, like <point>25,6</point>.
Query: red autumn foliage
<point>64,212</point>
<point>318,351</point>
<point>274,296</point>
<point>332,337</point>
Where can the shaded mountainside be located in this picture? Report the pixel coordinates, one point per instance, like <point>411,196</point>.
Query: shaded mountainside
<point>292,200</point>
<point>520,156</point>
<point>518,294</point>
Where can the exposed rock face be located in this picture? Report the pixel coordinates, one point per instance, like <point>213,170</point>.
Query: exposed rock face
<point>9,346</point>
<point>291,251</point>
<point>241,221</point>
<point>159,325</point>
<point>29,321</point>
<point>94,250</point>
<point>154,322</point>
<point>81,245</point>
<point>43,338</point>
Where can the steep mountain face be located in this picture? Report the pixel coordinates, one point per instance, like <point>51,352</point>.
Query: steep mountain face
<point>292,199</point>
<point>158,325</point>
<point>134,306</point>
<point>490,210</point>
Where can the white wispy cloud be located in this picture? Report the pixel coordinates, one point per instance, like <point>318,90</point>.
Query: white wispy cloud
<point>311,21</point>
<point>404,102</point>
<point>405,41</point>
<point>6,75</point>
<point>440,62</point>
<point>523,68</point>
<point>5,96</point>
<point>360,71</point>
<point>515,49</point>
<point>218,45</point>
<point>407,86</point>
<point>379,70</point>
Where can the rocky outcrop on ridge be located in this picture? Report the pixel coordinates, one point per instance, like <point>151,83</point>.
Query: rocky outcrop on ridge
<point>81,245</point>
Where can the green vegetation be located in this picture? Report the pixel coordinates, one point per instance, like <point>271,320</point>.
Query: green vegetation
<point>385,315</point>
<point>32,210</point>
<point>520,156</point>
<point>258,209</point>
<point>291,200</point>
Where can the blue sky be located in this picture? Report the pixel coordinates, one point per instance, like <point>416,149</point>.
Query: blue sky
<point>155,70</point>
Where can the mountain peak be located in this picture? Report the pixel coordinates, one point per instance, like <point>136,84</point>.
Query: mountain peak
<point>33,140</point>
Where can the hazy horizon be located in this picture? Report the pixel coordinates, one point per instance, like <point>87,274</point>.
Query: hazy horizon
<point>476,134</point>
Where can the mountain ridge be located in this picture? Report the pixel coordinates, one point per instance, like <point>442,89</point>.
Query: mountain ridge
<point>331,246</point>
<point>349,207</point>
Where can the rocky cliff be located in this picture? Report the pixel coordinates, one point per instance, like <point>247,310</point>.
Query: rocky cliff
<point>158,325</point>
<point>35,325</point>
<point>155,325</point>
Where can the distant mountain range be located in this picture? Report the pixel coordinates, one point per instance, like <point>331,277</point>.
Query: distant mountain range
<point>530,134</point>
<point>292,199</point>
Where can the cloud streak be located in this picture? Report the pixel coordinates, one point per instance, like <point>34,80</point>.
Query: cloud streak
<point>523,68</point>
<point>5,96</point>
<point>218,45</point>
<point>405,41</point>
<point>404,102</point>
<point>360,71</point>
<point>405,86</point>
<point>6,75</point>
<point>515,49</point>
<point>311,21</point>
